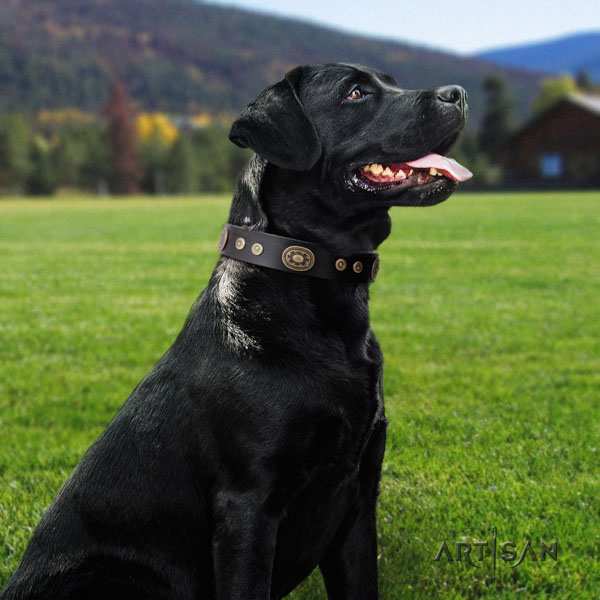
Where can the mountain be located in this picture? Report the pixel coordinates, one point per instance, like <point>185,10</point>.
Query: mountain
<point>571,54</point>
<point>182,56</point>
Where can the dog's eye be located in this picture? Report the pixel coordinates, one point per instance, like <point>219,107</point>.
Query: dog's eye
<point>355,94</point>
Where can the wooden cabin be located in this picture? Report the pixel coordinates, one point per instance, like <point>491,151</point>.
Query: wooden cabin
<point>557,148</point>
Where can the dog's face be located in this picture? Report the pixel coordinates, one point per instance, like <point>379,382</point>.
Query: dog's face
<point>373,142</point>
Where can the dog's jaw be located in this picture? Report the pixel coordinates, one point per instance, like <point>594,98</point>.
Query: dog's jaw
<point>426,190</point>
<point>422,182</point>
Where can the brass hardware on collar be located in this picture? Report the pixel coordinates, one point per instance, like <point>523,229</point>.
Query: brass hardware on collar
<point>341,264</point>
<point>375,268</point>
<point>298,258</point>
<point>223,239</point>
<point>272,251</point>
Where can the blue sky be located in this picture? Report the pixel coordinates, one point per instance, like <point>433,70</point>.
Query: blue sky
<point>459,26</point>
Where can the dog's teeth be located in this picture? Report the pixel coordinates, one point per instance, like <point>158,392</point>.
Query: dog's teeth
<point>411,172</point>
<point>376,168</point>
<point>400,174</point>
<point>433,171</point>
<point>388,172</point>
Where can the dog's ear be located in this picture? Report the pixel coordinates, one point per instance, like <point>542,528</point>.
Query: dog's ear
<point>276,126</point>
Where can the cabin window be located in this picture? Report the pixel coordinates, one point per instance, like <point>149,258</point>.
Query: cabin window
<point>551,165</point>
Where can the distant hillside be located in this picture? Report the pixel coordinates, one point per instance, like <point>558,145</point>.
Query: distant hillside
<point>183,56</point>
<point>566,55</point>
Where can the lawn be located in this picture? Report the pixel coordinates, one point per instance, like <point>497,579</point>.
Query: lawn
<point>488,311</point>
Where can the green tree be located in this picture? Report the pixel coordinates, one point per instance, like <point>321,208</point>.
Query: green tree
<point>42,180</point>
<point>211,144</point>
<point>69,157</point>
<point>219,161</point>
<point>181,167</point>
<point>585,83</point>
<point>486,173</point>
<point>498,120</point>
<point>95,168</point>
<point>153,157</point>
<point>15,149</point>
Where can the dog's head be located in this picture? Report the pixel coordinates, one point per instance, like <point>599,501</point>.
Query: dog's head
<point>373,142</point>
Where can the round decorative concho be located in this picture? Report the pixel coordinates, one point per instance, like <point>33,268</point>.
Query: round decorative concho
<point>375,268</point>
<point>223,239</point>
<point>298,258</point>
<point>341,264</point>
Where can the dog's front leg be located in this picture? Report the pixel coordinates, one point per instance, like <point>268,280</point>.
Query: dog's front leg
<point>349,566</point>
<point>243,547</point>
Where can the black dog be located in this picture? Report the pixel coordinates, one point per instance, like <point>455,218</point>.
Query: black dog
<point>252,451</point>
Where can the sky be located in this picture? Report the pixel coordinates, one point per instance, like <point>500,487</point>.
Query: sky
<point>458,26</point>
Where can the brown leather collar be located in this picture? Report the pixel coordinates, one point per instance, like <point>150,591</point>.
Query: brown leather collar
<point>295,256</point>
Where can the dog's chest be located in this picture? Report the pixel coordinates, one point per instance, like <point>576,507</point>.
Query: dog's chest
<point>345,472</point>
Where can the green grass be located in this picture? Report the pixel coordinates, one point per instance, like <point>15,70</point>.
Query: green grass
<point>488,311</point>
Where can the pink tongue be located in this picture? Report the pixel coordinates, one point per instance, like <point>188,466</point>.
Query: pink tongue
<point>448,166</point>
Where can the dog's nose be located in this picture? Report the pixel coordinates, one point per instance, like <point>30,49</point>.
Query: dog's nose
<point>453,94</point>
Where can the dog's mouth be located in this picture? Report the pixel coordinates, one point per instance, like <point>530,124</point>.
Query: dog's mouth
<point>422,181</point>
<point>398,176</point>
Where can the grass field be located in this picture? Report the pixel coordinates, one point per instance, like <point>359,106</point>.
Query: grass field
<point>488,311</point>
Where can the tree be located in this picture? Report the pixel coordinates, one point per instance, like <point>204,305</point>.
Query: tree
<point>498,120</point>
<point>125,175</point>
<point>552,90</point>
<point>42,179</point>
<point>585,83</point>
<point>182,171</point>
<point>15,148</point>
<point>95,171</point>
<point>218,160</point>
<point>69,156</point>
<point>156,134</point>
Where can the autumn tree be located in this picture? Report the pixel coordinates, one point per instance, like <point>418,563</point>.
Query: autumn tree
<point>125,174</point>
<point>156,135</point>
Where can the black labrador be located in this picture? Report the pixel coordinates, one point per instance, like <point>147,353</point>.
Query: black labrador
<point>252,451</point>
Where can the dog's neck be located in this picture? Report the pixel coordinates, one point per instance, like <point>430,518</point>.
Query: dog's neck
<point>260,308</point>
<point>243,294</point>
<point>297,205</point>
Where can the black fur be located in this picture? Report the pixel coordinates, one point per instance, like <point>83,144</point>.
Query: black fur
<point>252,451</point>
